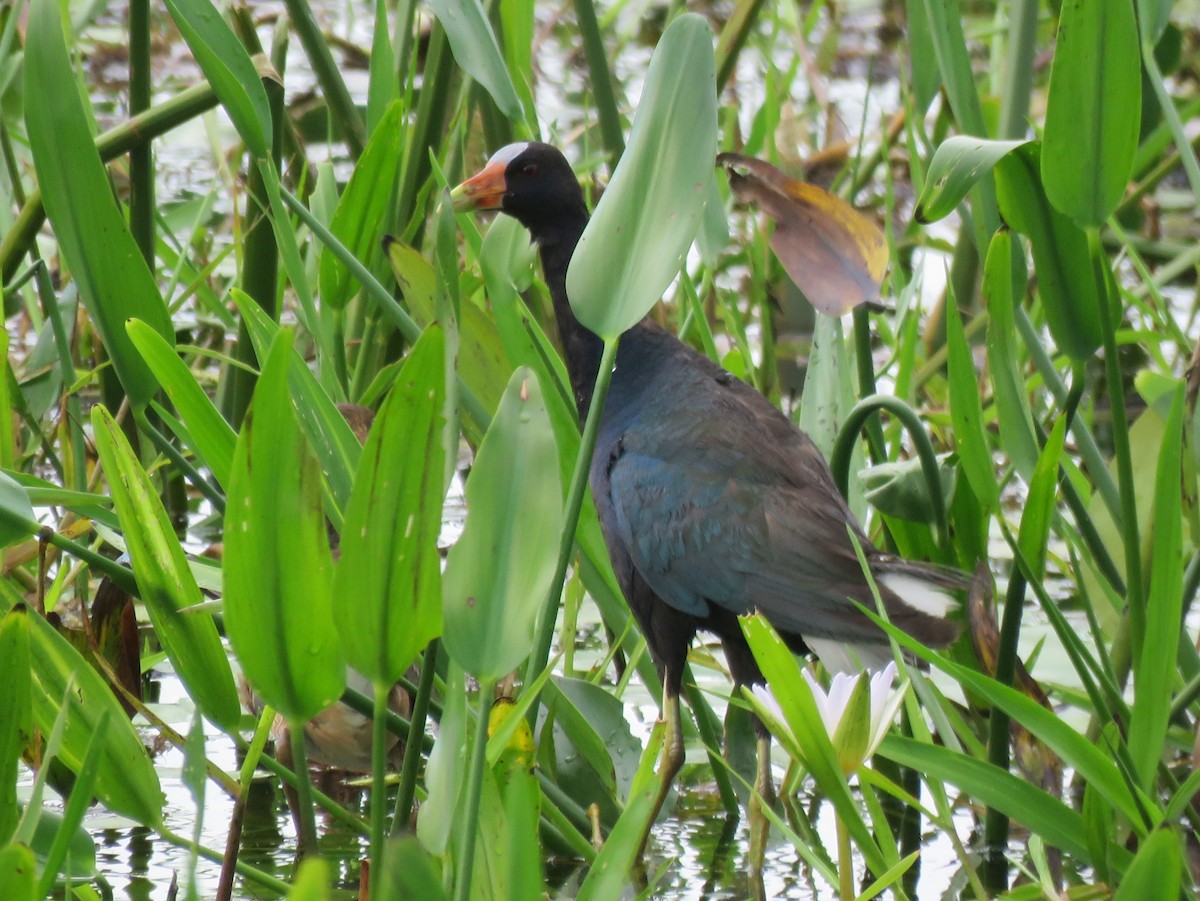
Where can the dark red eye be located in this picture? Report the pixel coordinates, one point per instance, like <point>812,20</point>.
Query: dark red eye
<point>529,170</point>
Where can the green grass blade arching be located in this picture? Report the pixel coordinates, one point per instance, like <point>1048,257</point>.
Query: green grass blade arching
<point>651,210</point>
<point>165,583</point>
<point>389,562</point>
<point>214,439</point>
<point>278,571</point>
<point>1093,109</point>
<point>94,240</point>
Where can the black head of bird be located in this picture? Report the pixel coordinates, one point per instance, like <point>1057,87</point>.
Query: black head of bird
<point>712,502</point>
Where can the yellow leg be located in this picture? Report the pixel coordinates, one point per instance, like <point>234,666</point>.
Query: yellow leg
<point>672,761</point>
<point>762,796</point>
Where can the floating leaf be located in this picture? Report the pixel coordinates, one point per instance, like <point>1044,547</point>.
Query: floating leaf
<point>833,253</point>
<point>634,245</point>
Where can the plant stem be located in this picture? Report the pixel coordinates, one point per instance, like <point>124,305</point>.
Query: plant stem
<point>845,862</point>
<point>379,733</point>
<point>583,463</point>
<point>308,820</point>
<point>413,745</point>
<point>470,823</point>
<point>1130,532</point>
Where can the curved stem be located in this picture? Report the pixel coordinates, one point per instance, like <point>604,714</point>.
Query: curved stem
<point>839,460</point>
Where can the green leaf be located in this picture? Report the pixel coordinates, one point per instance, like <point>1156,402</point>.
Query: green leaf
<point>312,882</point>
<point>476,50</point>
<point>1004,282</point>
<point>113,279</point>
<point>16,712</point>
<point>16,513</point>
<point>1155,668</point>
<point>229,70</point>
<point>445,774</point>
<point>1093,109</point>
<point>18,873</point>
<point>986,784</point>
<point>958,163</point>
<point>65,682</point>
<point>1066,280</point>
<point>389,557</point>
<point>363,209</point>
<point>966,414</point>
<point>213,438</point>
<point>1037,515</point>
<point>330,438</point>
<point>165,582</point>
<point>635,243</point>
<point>1156,872</point>
<point>500,569</point>
<point>800,713</point>
<point>409,871</point>
<point>278,571</point>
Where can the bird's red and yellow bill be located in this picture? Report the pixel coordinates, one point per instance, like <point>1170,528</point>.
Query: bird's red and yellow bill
<point>485,191</point>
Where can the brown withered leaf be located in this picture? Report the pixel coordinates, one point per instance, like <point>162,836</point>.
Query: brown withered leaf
<point>833,253</point>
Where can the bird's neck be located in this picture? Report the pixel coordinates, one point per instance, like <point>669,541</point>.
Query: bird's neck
<point>582,348</point>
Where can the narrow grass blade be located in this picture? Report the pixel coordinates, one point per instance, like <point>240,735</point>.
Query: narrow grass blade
<point>213,438</point>
<point>1003,282</point>
<point>635,242</point>
<point>966,415</point>
<point>165,583</point>
<point>16,712</point>
<point>364,208</point>
<point>389,564</point>
<point>1033,808</point>
<point>1156,667</point>
<point>94,240</point>
<point>278,599</point>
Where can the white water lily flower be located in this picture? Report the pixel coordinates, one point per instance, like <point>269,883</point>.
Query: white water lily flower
<point>857,714</point>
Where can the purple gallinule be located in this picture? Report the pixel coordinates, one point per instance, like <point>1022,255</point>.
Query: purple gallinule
<point>713,504</point>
